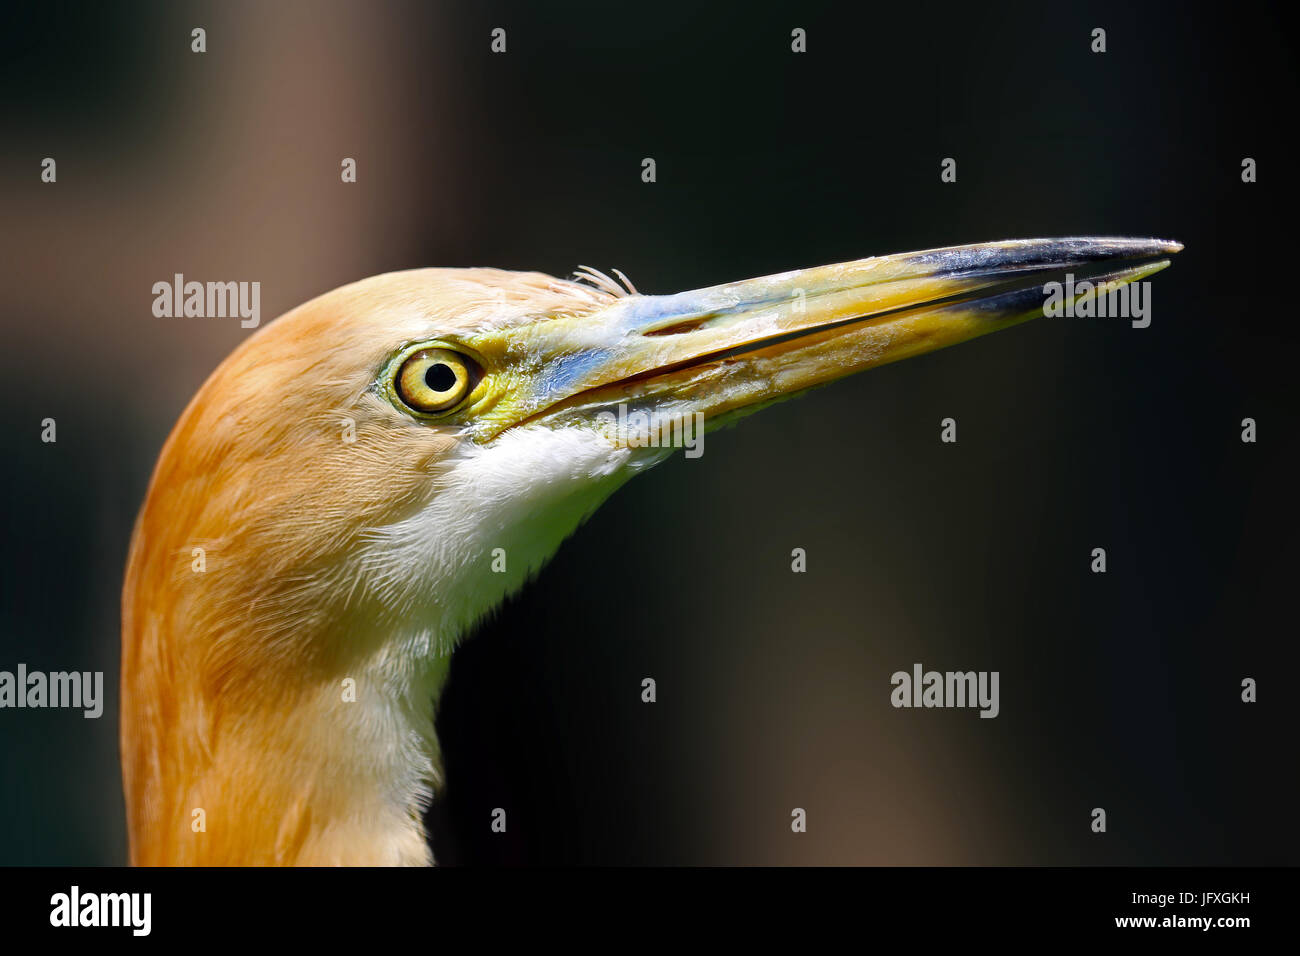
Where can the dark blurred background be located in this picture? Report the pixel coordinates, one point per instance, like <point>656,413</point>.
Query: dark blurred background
<point>1119,690</point>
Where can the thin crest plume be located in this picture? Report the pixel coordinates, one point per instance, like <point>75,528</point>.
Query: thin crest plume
<point>600,280</point>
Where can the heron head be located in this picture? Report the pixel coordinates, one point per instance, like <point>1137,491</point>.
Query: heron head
<point>450,427</point>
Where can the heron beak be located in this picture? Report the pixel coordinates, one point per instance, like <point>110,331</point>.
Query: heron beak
<point>728,350</point>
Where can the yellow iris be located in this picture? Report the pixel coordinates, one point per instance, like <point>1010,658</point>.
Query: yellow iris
<point>434,380</point>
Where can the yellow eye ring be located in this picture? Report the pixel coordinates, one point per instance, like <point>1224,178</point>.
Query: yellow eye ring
<point>434,380</point>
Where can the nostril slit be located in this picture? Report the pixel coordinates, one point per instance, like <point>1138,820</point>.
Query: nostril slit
<point>690,325</point>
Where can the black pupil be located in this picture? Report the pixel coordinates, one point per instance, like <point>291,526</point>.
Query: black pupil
<point>440,377</point>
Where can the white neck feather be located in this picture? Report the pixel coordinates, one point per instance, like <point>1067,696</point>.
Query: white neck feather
<point>498,516</point>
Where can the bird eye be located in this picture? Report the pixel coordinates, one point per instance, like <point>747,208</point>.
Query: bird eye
<point>435,379</point>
